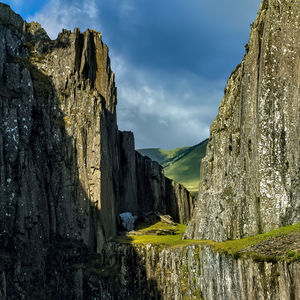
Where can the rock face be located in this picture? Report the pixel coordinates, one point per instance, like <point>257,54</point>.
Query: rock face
<point>66,172</point>
<point>144,188</point>
<point>58,139</point>
<point>148,272</point>
<point>249,180</point>
<point>192,272</point>
<point>224,277</point>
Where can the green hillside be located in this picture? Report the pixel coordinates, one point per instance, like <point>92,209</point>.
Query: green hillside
<point>180,164</point>
<point>160,155</point>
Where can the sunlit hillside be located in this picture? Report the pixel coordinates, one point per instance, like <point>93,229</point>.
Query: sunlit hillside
<point>180,164</point>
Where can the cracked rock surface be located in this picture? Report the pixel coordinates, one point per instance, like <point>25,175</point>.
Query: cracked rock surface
<point>249,181</point>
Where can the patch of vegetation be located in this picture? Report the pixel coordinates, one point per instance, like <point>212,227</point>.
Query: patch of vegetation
<point>257,257</point>
<point>290,253</point>
<point>270,247</point>
<point>239,245</point>
<point>178,228</point>
<point>258,247</point>
<point>155,239</point>
<point>160,155</point>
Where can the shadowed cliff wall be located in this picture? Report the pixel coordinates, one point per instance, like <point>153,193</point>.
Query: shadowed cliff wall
<point>194,272</point>
<point>63,178</point>
<point>144,188</point>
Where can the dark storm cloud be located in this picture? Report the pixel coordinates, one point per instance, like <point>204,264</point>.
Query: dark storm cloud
<point>205,37</point>
<point>168,109</point>
<point>171,58</point>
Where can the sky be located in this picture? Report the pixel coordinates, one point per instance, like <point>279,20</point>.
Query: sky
<point>171,58</point>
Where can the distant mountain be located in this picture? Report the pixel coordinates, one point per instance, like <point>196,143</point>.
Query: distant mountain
<point>180,164</point>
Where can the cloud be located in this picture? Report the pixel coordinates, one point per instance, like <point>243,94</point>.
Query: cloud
<point>171,58</point>
<point>163,110</point>
<point>58,14</point>
<point>17,3</point>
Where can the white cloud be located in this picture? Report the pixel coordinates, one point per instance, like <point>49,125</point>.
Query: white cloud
<point>165,113</point>
<point>90,8</point>
<point>58,14</point>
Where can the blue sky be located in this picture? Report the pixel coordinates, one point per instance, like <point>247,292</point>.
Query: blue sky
<point>171,58</point>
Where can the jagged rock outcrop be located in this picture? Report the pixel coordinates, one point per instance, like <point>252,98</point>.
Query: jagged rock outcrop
<point>249,180</point>
<point>66,172</point>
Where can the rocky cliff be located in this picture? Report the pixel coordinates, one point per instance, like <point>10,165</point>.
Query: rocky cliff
<point>66,172</point>
<point>144,188</point>
<point>249,180</point>
<point>161,267</point>
<point>193,272</point>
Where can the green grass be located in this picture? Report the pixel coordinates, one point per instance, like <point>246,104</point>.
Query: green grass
<point>236,248</point>
<point>161,155</point>
<point>154,239</point>
<point>233,246</point>
<point>180,164</point>
<point>178,228</point>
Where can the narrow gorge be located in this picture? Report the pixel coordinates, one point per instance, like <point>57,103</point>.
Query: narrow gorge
<point>67,173</point>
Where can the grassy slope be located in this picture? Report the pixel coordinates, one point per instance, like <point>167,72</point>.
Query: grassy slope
<point>259,247</point>
<point>160,155</point>
<point>180,164</point>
